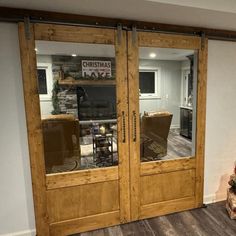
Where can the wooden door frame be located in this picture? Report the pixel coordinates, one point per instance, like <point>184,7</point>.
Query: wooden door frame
<point>41,182</point>
<point>151,39</point>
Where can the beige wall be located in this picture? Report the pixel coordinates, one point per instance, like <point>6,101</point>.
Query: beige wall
<point>16,204</point>
<point>220,152</point>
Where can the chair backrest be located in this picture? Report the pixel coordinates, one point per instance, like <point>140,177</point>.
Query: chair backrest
<point>157,123</point>
<point>61,138</point>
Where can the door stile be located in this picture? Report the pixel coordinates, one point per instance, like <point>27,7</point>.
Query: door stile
<point>134,128</point>
<point>122,116</point>
<point>35,138</point>
<point>201,121</point>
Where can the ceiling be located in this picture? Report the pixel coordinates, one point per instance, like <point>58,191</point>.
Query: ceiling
<point>216,5</point>
<point>220,14</point>
<point>165,54</point>
<point>101,50</point>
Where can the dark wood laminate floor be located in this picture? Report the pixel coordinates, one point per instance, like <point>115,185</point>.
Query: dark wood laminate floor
<point>210,221</point>
<point>178,146</point>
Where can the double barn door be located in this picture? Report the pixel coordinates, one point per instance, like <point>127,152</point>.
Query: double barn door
<point>91,192</point>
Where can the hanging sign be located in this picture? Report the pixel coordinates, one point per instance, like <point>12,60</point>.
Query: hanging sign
<point>96,69</point>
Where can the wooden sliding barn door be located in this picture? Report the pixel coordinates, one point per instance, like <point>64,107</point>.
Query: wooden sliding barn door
<point>116,124</point>
<point>79,163</point>
<point>166,173</point>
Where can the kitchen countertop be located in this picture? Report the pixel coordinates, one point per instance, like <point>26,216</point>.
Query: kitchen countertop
<point>186,107</point>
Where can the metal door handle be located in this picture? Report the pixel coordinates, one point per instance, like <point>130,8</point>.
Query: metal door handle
<point>134,127</point>
<point>123,127</point>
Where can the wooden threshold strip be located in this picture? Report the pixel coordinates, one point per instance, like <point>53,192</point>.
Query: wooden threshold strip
<point>165,166</point>
<point>81,177</point>
<point>85,223</point>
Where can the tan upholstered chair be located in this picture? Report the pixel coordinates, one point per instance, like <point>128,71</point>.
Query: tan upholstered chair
<point>61,139</point>
<point>155,127</point>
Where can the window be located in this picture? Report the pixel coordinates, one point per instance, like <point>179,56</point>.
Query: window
<point>149,83</point>
<point>45,84</point>
<point>42,81</point>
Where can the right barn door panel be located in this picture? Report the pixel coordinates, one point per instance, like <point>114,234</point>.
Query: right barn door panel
<point>167,91</point>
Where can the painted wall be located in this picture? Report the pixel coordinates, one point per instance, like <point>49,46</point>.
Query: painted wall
<point>220,152</point>
<point>170,89</point>
<point>16,205</point>
<point>16,208</point>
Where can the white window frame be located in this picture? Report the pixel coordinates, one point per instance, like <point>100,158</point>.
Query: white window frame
<point>157,93</point>
<point>49,81</point>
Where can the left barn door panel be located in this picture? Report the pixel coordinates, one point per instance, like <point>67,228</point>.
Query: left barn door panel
<point>75,86</point>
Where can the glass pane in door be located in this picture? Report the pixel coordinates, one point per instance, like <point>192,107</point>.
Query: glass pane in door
<point>167,103</point>
<point>77,91</point>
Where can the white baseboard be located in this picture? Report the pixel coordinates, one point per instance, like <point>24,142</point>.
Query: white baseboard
<point>212,198</point>
<point>21,233</point>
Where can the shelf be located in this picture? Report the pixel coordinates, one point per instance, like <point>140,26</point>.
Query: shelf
<point>86,82</point>
<point>104,152</point>
<point>106,146</point>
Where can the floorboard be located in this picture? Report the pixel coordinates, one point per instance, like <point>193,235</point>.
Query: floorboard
<point>210,221</point>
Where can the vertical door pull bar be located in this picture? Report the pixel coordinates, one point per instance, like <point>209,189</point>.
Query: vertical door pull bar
<point>134,127</point>
<point>123,127</point>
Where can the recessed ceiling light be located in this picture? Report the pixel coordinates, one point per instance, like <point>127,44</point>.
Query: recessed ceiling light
<point>152,55</point>
<point>73,55</point>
